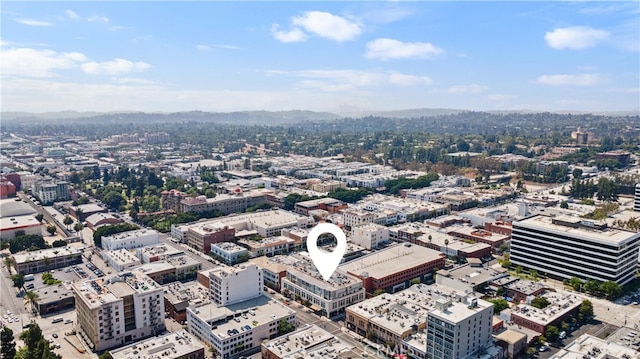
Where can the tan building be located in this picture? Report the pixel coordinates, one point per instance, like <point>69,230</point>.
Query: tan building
<point>46,259</point>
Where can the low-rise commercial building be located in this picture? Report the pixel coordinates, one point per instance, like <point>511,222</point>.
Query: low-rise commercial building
<point>328,298</point>
<point>238,328</point>
<point>177,345</point>
<point>561,308</point>
<point>120,259</point>
<point>274,269</point>
<point>307,342</point>
<point>54,298</point>
<point>157,252</point>
<point>393,268</point>
<point>370,235</point>
<point>178,296</point>
<point>229,253</point>
<point>46,259</point>
<point>130,239</point>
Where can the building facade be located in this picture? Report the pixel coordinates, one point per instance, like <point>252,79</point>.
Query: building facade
<point>228,285</point>
<point>566,247</point>
<point>119,310</point>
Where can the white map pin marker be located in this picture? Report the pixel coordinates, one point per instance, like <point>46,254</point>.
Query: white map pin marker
<point>326,262</point>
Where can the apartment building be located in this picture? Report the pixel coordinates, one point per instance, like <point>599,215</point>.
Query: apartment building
<point>458,329</point>
<point>328,298</point>
<point>229,285</point>
<point>274,268</point>
<point>118,310</point>
<point>566,247</point>
<point>130,239</point>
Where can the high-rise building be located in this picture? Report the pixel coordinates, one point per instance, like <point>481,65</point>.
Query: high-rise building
<point>457,329</point>
<point>566,247</point>
<point>118,310</point>
<point>636,199</point>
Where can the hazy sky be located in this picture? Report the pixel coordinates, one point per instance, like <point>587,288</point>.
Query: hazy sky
<point>322,56</point>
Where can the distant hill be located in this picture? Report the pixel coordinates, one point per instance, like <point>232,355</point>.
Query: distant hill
<point>409,113</point>
<point>241,117</point>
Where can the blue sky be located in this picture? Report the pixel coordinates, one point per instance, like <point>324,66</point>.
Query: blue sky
<point>322,56</point>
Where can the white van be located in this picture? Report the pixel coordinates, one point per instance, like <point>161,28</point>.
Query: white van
<point>57,320</point>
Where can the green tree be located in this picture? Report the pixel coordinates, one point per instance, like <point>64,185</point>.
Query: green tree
<point>105,355</point>
<point>577,173</point>
<point>586,309</point>
<point>610,289</point>
<point>564,204</point>
<point>151,204</point>
<point>500,292</point>
<point>40,217</point>
<point>499,305</point>
<point>540,302</point>
<point>591,286</point>
<point>285,327</point>
<point>534,274</point>
<point>18,280</point>
<point>31,298</point>
<point>7,343</point>
<point>78,227</point>
<point>576,283</point>
<point>378,291</point>
<point>67,221</point>
<point>51,229</point>
<point>552,333</point>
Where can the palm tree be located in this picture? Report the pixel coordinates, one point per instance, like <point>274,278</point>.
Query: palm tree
<point>31,298</point>
<point>8,262</point>
<point>47,261</point>
<point>67,221</point>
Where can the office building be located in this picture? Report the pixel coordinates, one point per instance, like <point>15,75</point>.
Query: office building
<point>120,259</point>
<point>229,253</point>
<point>118,310</point>
<point>201,237</point>
<point>566,247</point>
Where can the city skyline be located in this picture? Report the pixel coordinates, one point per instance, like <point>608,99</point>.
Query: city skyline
<point>337,56</point>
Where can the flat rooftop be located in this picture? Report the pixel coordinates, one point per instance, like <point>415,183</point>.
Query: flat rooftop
<point>595,348</point>
<point>97,292</point>
<point>275,264</point>
<point>524,286</point>
<point>297,344</point>
<point>121,257</point>
<point>46,253</point>
<point>307,270</point>
<point>560,305</point>
<point>172,345</point>
<point>53,293</point>
<point>583,231</point>
<point>391,260</point>
<point>181,295</point>
<point>131,234</point>
<point>159,250</point>
<point>252,312</point>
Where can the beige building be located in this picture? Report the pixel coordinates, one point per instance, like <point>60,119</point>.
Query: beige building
<point>118,310</point>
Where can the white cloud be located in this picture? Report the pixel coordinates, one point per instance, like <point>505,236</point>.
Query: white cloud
<point>321,24</point>
<point>293,35</point>
<point>572,80</point>
<point>100,19</point>
<point>32,22</point>
<point>211,47</point>
<point>132,80</point>
<point>38,63</point>
<point>329,26</point>
<point>113,67</point>
<point>575,38</point>
<point>473,88</point>
<point>71,14</point>
<point>385,49</point>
